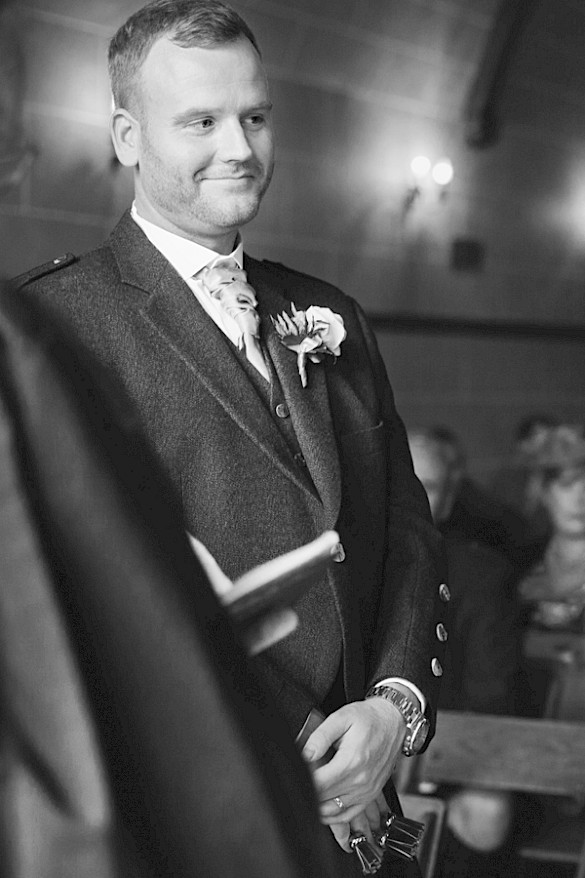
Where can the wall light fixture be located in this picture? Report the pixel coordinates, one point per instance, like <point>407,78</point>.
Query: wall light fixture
<point>424,175</point>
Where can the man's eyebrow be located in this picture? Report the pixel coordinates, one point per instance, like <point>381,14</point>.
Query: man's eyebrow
<point>193,113</point>
<point>202,113</point>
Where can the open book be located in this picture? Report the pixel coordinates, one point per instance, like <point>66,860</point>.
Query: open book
<point>280,582</point>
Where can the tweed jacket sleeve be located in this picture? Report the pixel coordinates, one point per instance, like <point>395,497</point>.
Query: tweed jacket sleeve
<point>411,604</point>
<point>483,672</point>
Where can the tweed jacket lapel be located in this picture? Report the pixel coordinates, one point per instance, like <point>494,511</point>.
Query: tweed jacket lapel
<point>191,335</point>
<point>309,406</point>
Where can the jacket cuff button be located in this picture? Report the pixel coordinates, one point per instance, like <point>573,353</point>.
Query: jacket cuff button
<point>442,633</point>
<point>437,667</point>
<point>444,593</point>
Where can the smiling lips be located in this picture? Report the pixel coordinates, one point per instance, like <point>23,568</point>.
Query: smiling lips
<point>229,178</point>
<point>246,171</point>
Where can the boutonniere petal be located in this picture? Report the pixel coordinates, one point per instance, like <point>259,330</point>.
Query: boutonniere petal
<point>311,334</point>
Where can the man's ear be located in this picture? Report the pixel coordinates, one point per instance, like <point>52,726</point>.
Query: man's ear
<point>125,132</point>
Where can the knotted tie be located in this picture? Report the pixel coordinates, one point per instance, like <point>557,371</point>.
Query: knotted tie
<point>227,283</point>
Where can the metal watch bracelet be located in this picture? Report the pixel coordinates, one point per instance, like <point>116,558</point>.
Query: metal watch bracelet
<point>417,726</point>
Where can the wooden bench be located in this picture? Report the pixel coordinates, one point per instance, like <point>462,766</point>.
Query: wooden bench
<point>543,757</point>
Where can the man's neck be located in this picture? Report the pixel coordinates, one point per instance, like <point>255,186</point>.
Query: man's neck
<point>222,244</point>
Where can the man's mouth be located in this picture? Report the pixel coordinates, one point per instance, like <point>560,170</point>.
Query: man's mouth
<point>227,177</point>
<point>231,184</point>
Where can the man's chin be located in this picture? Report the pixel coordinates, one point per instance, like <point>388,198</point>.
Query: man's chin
<point>238,214</point>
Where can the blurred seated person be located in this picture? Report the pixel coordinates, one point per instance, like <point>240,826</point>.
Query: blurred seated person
<point>471,512</point>
<point>516,484</point>
<point>554,589</point>
<point>482,663</point>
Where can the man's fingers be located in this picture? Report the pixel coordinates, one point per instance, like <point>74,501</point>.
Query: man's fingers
<point>341,834</point>
<point>382,804</point>
<point>367,823</point>
<point>347,815</point>
<point>375,812</point>
<point>330,730</point>
<point>373,816</point>
<point>336,779</point>
<point>351,789</point>
<point>336,808</point>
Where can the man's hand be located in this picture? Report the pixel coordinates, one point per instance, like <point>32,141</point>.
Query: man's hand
<point>367,737</point>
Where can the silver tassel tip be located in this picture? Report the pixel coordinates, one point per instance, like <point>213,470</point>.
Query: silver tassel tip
<point>368,856</point>
<point>401,836</point>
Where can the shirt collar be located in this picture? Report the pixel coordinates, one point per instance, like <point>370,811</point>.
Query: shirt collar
<point>187,257</point>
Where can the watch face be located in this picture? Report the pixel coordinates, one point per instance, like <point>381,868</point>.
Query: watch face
<point>419,736</point>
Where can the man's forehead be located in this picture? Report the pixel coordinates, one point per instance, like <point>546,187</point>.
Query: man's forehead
<point>227,63</point>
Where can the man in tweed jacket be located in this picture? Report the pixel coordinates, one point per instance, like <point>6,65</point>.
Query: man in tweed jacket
<point>261,463</point>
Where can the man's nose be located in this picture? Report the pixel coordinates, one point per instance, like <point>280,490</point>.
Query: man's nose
<point>233,143</point>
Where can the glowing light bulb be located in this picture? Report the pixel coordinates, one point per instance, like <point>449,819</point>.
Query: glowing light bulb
<point>442,172</point>
<point>420,166</point>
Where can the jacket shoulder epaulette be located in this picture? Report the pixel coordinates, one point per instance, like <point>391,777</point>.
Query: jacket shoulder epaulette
<point>43,270</point>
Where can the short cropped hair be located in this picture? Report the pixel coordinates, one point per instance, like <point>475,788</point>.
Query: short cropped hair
<point>442,444</point>
<point>188,23</point>
<point>532,425</point>
<point>560,449</point>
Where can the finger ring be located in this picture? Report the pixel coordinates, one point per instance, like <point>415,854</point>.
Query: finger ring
<point>339,803</point>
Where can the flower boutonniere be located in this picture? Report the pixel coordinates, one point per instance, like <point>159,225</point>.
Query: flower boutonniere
<point>310,334</point>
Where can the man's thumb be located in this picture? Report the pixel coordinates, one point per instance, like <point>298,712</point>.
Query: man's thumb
<point>321,740</point>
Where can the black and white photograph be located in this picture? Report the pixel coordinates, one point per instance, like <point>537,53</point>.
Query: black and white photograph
<point>292,438</point>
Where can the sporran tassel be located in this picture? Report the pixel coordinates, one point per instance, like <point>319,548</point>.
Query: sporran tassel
<point>370,859</point>
<point>401,836</point>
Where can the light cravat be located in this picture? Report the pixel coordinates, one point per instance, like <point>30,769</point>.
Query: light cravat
<point>228,285</point>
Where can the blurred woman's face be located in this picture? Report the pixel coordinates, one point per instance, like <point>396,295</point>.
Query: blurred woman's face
<point>564,500</point>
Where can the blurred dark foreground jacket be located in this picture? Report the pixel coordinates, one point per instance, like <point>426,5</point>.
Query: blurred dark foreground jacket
<point>134,739</point>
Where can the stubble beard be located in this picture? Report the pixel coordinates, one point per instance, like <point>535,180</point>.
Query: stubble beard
<point>196,213</point>
<point>232,211</point>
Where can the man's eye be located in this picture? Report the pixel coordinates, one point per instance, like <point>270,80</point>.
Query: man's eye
<point>256,121</point>
<point>201,124</point>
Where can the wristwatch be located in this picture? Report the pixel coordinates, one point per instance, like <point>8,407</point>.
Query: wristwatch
<point>417,726</point>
